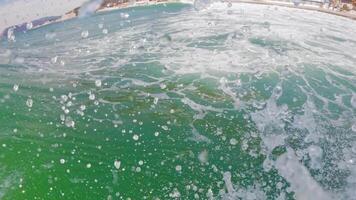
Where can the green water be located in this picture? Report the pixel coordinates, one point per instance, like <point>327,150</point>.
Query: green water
<point>178,104</point>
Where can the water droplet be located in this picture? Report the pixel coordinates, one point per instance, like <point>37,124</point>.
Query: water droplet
<point>16,87</point>
<point>350,161</point>
<point>163,86</point>
<point>29,103</point>
<point>85,34</point>
<point>203,156</point>
<point>278,90</point>
<point>175,193</point>
<point>117,164</point>
<point>245,30</point>
<point>164,127</point>
<point>98,83</point>
<point>62,62</point>
<point>69,122</point>
<point>233,141</point>
<point>11,35</point>
<point>124,15</point>
<point>92,96</point>
<point>353,128</point>
<point>135,137</point>
<point>155,101</point>
<point>29,25</point>
<point>64,98</point>
<point>178,168</point>
<point>353,101</point>
<point>50,36</point>
<point>82,107</point>
<point>54,59</point>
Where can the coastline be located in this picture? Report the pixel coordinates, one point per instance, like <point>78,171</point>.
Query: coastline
<point>346,14</point>
<point>305,5</point>
<point>72,14</point>
<point>317,6</point>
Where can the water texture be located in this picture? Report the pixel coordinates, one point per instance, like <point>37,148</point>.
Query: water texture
<point>166,102</point>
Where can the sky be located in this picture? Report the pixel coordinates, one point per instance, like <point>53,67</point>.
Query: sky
<point>14,12</point>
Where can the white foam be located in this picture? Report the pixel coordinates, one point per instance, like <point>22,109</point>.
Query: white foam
<point>302,183</point>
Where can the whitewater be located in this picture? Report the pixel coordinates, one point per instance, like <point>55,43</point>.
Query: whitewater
<point>233,101</point>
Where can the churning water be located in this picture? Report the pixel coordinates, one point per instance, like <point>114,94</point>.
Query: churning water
<point>162,102</point>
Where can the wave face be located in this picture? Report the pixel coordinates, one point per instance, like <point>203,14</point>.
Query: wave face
<point>162,102</point>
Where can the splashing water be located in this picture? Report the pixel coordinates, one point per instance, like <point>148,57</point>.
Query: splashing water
<point>249,102</point>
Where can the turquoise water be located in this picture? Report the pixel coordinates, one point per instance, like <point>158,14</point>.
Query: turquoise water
<point>164,102</point>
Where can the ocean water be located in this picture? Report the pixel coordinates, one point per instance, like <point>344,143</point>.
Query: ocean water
<point>166,102</point>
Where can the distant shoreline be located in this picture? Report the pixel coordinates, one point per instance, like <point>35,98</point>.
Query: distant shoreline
<point>346,14</point>
<point>304,6</point>
<point>74,13</point>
